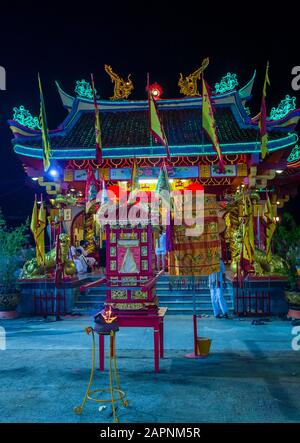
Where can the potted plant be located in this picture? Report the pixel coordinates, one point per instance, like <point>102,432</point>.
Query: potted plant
<point>287,245</point>
<point>12,242</point>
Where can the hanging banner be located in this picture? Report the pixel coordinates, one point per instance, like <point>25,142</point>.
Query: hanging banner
<point>153,173</point>
<point>229,171</point>
<point>81,174</point>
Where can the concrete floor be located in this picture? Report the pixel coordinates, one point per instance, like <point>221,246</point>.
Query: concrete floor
<point>251,375</point>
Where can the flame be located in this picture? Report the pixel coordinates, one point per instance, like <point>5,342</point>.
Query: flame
<point>107,315</point>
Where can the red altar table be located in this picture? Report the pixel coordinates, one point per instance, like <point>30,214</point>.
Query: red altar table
<point>155,321</point>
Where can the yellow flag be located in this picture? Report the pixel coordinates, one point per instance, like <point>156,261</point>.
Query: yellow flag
<point>248,229</point>
<point>263,117</point>
<point>34,220</point>
<point>208,122</point>
<point>270,227</point>
<point>134,184</point>
<point>40,236</point>
<point>44,126</point>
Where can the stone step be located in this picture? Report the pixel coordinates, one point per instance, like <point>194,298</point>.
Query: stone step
<point>162,297</point>
<point>178,300</point>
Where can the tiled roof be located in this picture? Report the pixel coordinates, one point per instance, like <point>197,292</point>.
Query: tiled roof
<point>130,129</point>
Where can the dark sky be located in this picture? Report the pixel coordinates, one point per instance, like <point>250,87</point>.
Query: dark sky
<point>67,42</point>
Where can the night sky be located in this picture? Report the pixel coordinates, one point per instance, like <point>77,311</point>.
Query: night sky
<point>68,43</point>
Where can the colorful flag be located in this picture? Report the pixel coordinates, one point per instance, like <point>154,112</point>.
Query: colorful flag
<point>263,117</point>
<point>156,127</point>
<point>102,196</point>
<point>208,121</point>
<point>248,229</point>
<point>91,186</point>
<point>40,236</point>
<point>97,124</point>
<point>163,190</point>
<point>270,227</point>
<point>34,219</point>
<point>134,188</point>
<point>44,128</point>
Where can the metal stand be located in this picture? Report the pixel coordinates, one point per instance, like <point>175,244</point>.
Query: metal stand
<point>113,379</point>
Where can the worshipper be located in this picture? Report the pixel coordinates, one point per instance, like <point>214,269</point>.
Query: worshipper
<point>82,245</point>
<point>72,253</point>
<point>80,262</point>
<point>216,282</point>
<point>161,250</point>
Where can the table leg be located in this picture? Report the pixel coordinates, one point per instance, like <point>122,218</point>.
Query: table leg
<point>156,350</point>
<point>101,352</point>
<point>161,339</point>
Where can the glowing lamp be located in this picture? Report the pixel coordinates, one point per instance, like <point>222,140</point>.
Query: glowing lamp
<point>279,171</point>
<point>53,172</point>
<point>34,178</point>
<point>156,90</point>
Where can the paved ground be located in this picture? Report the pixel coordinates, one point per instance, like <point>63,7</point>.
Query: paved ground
<point>251,375</point>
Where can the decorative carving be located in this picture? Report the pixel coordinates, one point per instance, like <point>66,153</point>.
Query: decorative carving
<point>24,117</point>
<point>294,155</point>
<point>119,294</point>
<point>52,188</point>
<point>32,270</point>
<point>227,83</point>
<point>285,106</point>
<point>188,85</point>
<point>122,88</point>
<point>83,89</point>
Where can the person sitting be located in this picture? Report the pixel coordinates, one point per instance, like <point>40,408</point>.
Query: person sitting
<point>72,253</point>
<point>80,262</point>
<point>82,245</point>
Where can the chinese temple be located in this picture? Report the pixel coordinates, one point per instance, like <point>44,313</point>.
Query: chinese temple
<point>126,139</point>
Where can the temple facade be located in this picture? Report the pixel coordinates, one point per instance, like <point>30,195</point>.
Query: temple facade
<point>126,140</point>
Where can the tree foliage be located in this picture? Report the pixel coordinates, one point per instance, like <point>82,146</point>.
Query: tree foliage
<point>12,242</point>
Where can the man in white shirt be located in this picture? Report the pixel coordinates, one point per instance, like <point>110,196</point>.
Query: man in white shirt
<point>216,282</point>
<point>161,250</point>
<point>80,262</point>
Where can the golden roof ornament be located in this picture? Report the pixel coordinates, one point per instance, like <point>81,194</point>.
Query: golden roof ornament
<point>122,88</point>
<point>188,85</point>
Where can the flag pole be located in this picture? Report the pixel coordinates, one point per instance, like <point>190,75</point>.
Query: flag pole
<point>149,117</point>
<point>98,140</point>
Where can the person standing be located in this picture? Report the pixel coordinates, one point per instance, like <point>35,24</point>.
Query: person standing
<point>161,250</point>
<point>216,282</point>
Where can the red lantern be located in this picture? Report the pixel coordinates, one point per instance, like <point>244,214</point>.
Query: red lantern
<point>118,191</point>
<point>194,186</point>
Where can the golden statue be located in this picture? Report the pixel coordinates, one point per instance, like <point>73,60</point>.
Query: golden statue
<point>32,270</point>
<point>122,88</point>
<point>188,85</point>
<point>234,233</point>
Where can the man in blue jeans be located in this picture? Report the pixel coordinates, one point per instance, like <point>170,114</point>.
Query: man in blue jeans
<point>216,283</point>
